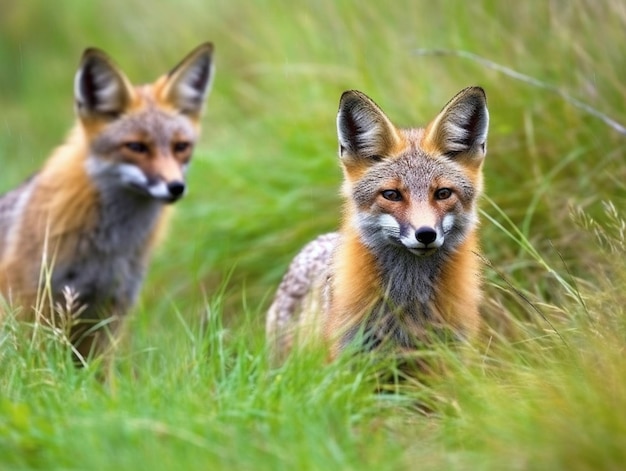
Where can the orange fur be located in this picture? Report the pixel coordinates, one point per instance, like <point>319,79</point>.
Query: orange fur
<point>355,288</point>
<point>459,291</point>
<point>61,207</point>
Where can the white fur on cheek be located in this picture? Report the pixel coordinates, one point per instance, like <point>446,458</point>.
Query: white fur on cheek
<point>448,223</point>
<point>132,174</point>
<point>389,225</point>
<point>377,229</point>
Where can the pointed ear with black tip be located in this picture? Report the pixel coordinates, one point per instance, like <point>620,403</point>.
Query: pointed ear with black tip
<point>188,84</point>
<point>101,90</point>
<point>365,133</point>
<point>459,131</point>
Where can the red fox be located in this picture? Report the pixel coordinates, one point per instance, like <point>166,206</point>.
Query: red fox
<point>405,260</point>
<point>88,220</point>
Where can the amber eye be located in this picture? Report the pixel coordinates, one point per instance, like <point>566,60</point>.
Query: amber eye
<point>138,147</point>
<point>443,193</point>
<point>392,195</point>
<point>181,146</point>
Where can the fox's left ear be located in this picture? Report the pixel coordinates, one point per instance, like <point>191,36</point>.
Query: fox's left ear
<point>460,130</point>
<point>187,85</point>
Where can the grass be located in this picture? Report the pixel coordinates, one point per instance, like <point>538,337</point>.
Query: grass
<point>191,387</point>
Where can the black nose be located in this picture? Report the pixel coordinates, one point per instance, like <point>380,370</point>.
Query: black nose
<point>425,235</point>
<point>176,189</point>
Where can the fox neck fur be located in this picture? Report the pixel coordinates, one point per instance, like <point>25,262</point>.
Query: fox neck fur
<point>400,298</point>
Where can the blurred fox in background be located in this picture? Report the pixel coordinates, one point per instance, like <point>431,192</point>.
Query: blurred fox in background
<point>81,230</point>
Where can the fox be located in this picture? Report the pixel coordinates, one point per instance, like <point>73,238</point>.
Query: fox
<point>84,226</point>
<point>405,260</point>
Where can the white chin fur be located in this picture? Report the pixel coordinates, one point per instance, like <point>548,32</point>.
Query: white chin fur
<point>423,252</point>
<point>411,243</point>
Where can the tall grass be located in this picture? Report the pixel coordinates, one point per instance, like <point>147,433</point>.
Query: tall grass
<point>191,388</point>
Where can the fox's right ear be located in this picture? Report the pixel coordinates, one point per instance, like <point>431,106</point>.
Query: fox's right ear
<point>100,88</point>
<point>365,133</point>
<point>459,131</point>
<point>187,85</point>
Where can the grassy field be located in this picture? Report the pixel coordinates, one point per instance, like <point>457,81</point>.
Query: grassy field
<point>191,387</point>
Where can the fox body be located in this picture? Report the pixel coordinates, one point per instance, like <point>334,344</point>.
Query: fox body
<point>87,221</point>
<point>404,262</point>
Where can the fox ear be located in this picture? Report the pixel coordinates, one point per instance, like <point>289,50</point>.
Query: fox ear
<point>188,84</point>
<point>365,133</point>
<point>100,88</point>
<point>460,129</point>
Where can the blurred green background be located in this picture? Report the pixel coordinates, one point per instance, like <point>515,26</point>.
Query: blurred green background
<point>265,180</point>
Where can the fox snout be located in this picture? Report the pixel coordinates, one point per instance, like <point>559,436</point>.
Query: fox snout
<point>168,192</point>
<point>423,241</point>
<point>176,189</point>
<point>426,239</point>
<point>155,187</point>
<point>426,235</point>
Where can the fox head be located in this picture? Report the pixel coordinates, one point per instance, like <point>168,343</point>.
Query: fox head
<point>413,189</point>
<point>141,138</point>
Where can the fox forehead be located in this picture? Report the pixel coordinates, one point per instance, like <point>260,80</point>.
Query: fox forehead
<point>416,174</point>
<point>149,124</point>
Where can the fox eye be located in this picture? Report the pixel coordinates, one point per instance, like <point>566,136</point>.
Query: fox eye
<point>138,147</point>
<point>181,146</point>
<point>443,193</point>
<point>392,195</point>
